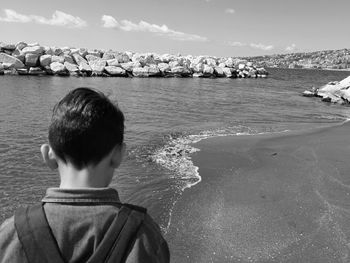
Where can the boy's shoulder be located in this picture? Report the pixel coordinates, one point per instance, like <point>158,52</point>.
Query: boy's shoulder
<point>149,242</point>
<point>7,229</point>
<point>149,231</point>
<point>10,246</point>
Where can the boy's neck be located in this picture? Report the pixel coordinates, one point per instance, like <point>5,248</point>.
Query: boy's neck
<point>87,177</point>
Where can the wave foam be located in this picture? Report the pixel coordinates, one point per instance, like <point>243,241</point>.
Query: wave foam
<point>175,155</point>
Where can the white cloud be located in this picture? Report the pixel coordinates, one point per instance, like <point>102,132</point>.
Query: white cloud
<point>109,22</point>
<point>13,16</point>
<point>142,26</point>
<point>252,45</point>
<point>58,18</point>
<point>291,48</point>
<point>262,46</point>
<point>237,44</point>
<point>230,11</point>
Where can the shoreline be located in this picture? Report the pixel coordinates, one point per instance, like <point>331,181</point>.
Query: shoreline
<point>267,198</point>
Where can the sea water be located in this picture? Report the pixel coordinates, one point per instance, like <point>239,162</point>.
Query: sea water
<point>163,118</point>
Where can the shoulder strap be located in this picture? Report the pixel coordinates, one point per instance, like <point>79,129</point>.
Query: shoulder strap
<point>136,208</point>
<point>121,234</point>
<point>123,244</point>
<point>40,245</point>
<point>35,235</point>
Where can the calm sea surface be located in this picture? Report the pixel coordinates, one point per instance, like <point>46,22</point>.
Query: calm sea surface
<point>161,116</point>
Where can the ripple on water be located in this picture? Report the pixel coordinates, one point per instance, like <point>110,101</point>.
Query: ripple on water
<point>4,148</point>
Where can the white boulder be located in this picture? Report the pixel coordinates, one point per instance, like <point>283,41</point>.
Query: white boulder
<point>108,55</point>
<point>11,61</point>
<point>45,60</point>
<point>227,72</point>
<point>229,63</point>
<point>153,71</point>
<point>128,66</point>
<point>166,58</point>
<point>345,83</point>
<point>113,62</point>
<point>241,66</point>
<point>208,70</point>
<point>59,59</point>
<point>84,67</point>
<point>33,50</point>
<point>81,62</point>
<point>115,71</point>
<point>78,59</point>
<point>140,71</point>
<point>211,62</point>
<point>181,71</point>
<point>68,58</point>
<point>198,68</point>
<point>175,63</point>
<point>219,72</point>
<point>330,88</point>
<point>74,51</point>
<point>97,65</point>
<point>199,59</point>
<point>123,57</point>
<point>198,75</point>
<point>7,46</point>
<point>82,52</point>
<point>54,51</point>
<point>66,51</point>
<point>71,67</point>
<point>95,52</point>
<point>345,94</point>
<point>90,57</point>
<point>222,65</point>
<point>34,44</point>
<point>57,68</point>
<point>22,71</point>
<point>21,45</point>
<point>164,67</point>
<point>36,71</point>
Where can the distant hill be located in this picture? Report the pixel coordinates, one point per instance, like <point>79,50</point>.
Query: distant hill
<point>327,59</point>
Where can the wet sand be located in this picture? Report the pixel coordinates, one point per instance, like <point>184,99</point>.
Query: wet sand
<point>267,198</point>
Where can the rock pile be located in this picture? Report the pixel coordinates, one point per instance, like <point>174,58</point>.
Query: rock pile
<point>34,59</point>
<point>336,92</point>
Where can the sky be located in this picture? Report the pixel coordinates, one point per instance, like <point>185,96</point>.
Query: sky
<point>189,27</point>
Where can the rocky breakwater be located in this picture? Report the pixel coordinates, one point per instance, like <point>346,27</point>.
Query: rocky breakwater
<point>335,92</point>
<point>34,59</point>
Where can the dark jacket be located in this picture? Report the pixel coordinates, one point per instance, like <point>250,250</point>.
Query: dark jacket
<point>79,219</point>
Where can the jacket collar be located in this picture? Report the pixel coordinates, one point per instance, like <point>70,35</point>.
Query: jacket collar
<point>81,195</point>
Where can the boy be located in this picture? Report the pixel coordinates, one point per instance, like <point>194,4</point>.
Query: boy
<point>83,220</point>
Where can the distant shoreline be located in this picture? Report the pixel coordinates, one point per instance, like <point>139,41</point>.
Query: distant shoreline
<point>325,60</point>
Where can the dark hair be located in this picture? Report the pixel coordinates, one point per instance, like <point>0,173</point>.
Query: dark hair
<point>85,126</point>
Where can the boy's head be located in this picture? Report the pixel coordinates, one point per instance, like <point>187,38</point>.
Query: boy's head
<point>85,127</point>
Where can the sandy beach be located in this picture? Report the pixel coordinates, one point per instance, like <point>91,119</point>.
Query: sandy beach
<point>267,198</point>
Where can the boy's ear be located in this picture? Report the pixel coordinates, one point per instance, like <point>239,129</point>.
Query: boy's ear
<point>48,156</point>
<point>118,155</point>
